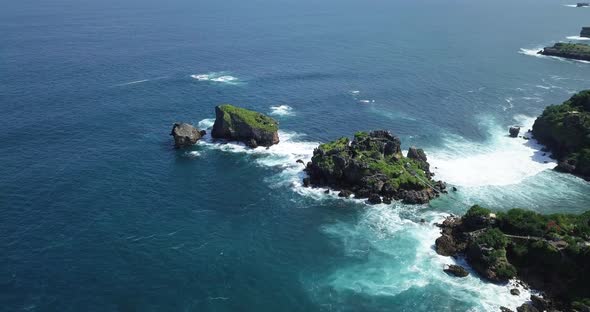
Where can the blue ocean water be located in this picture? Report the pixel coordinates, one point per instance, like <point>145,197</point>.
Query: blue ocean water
<point>99,213</point>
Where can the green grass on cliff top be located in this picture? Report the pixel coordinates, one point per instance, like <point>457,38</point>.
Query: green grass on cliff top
<point>573,47</point>
<point>252,118</point>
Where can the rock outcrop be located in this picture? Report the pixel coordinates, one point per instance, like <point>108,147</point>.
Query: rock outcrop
<point>372,166</point>
<point>185,134</point>
<point>565,130</point>
<point>585,32</point>
<point>456,270</point>
<point>513,131</point>
<point>239,124</point>
<point>575,51</point>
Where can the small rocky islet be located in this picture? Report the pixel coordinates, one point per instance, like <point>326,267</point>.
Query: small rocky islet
<point>372,166</point>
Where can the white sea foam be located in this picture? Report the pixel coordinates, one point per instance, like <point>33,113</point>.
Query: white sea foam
<point>281,110</point>
<point>206,123</point>
<point>394,253</point>
<point>192,154</point>
<point>578,38</point>
<point>574,6</point>
<point>283,155</point>
<point>501,160</point>
<point>355,92</point>
<point>221,77</point>
<point>367,101</point>
<point>138,81</point>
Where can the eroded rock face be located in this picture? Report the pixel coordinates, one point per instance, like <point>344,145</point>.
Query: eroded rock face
<point>185,134</point>
<point>372,166</point>
<point>239,124</point>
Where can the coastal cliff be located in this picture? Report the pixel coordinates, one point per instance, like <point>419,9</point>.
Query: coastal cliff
<point>565,130</point>
<point>549,252</point>
<point>372,166</point>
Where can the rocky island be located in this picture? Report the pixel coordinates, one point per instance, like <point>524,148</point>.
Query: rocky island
<point>549,252</point>
<point>239,124</point>
<point>565,130</point>
<point>372,166</point>
<point>185,134</point>
<point>575,51</point>
<point>585,32</point>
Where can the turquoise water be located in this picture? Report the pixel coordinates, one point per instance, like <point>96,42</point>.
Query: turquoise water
<point>99,213</point>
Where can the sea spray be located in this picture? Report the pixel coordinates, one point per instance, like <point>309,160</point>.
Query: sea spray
<point>501,160</point>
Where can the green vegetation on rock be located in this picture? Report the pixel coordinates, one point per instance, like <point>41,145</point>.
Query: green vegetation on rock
<point>253,119</point>
<point>372,164</point>
<point>550,252</point>
<point>565,130</point>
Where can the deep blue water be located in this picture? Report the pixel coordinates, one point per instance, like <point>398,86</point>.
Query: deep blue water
<point>99,213</point>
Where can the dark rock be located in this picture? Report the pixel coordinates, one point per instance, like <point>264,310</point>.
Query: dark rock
<point>418,155</point>
<point>582,4</point>
<point>344,193</point>
<point>327,192</point>
<point>300,162</point>
<point>514,131</point>
<point>445,245</point>
<point>185,134</point>
<point>239,124</point>
<point>422,221</point>
<point>306,182</point>
<point>456,270</point>
<point>527,307</point>
<point>374,199</point>
<point>585,32</point>
<point>515,292</point>
<point>252,143</point>
<point>387,200</point>
<point>454,189</point>
<point>540,303</point>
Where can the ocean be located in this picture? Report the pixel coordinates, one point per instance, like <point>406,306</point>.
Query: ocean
<point>98,211</point>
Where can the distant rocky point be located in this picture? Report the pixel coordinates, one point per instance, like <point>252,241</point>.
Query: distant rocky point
<point>565,130</point>
<point>575,51</point>
<point>582,4</point>
<point>239,124</point>
<point>185,134</point>
<point>372,166</point>
<point>585,32</point>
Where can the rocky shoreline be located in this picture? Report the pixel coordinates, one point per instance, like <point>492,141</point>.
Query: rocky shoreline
<point>550,253</point>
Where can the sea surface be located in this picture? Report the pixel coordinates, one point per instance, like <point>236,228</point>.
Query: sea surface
<point>98,211</point>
